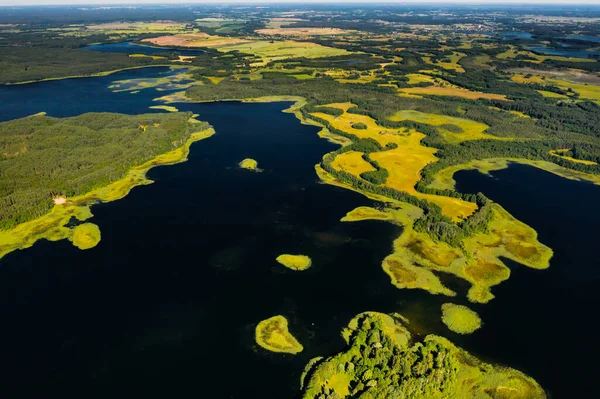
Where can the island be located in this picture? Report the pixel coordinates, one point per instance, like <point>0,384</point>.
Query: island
<point>250,164</point>
<point>295,262</point>
<point>273,335</point>
<point>86,236</point>
<point>460,319</point>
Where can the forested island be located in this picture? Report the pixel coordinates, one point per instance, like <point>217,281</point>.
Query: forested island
<point>408,99</point>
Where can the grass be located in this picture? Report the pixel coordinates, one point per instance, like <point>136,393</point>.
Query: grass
<point>352,162</point>
<point>85,236</point>
<point>551,94</point>
<point>53,226</point>
<point>452,63</point>
<point>557,153</point>
<point>295,262</point>
<point>273,51</point>
<point>471,130</point>
<point>460,319</point>
<point>168,108</point>
<point>154,57</point>
<point>416,78</point>
<point>382,360</point>
<point>272,334</point>
<point>403,163</point>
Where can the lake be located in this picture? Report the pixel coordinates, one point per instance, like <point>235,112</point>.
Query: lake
<point>134,48</point>
<point>167,303</point>
<point>539,318</point>
<point>564,51</point>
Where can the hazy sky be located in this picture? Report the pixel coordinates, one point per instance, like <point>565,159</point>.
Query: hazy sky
<point>55,2</point>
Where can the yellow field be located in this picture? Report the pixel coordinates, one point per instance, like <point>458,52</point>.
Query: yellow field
<point>551,94</point>
<point>278,31</point>
<point>273,51</point>
<point>585,91</point>
<point>471,130</point>
<point>403,163</point>
<point>194,40</point>
<point>352,163</point>
<point>416,78</point>
<point>452,65</point>
<point>362,79</point>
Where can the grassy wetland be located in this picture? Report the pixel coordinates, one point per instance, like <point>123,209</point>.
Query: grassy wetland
<point>273,335</point>
<point>460,319</point>
<point>295,262</point>
<point>407,104</point>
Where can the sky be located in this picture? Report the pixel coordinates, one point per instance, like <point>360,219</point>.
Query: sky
<point>447,2</point>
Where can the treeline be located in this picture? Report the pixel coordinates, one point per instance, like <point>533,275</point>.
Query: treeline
<point>41,157</point>
<point>20,64</point>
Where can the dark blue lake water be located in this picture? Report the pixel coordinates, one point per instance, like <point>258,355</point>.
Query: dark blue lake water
<point>564,51</point>
<point>134,48</point>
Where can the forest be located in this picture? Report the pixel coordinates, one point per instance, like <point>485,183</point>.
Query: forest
<point>42,157</point>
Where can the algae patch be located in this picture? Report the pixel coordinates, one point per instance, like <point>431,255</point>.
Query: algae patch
<point>295,262</point>
<point>460,319</point>
<point>250,164</point>
<point>273,335</point>
<point>86,236</point>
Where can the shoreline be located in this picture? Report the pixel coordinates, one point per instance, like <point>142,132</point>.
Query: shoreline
<point>52,226</point>
<point>94,75</point>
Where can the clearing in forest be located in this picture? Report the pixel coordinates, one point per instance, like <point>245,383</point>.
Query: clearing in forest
<point>274,51</point>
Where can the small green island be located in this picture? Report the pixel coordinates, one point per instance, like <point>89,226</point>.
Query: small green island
<point>250,164</point>
<point>273,335</point>
<point>460,319</point>
<point>86,236</point>
<point>295,262</point>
